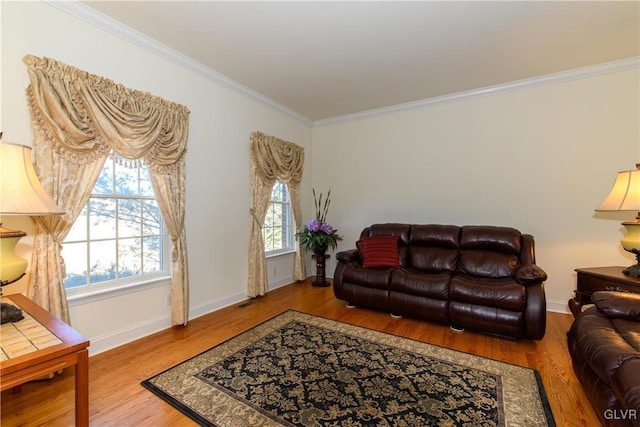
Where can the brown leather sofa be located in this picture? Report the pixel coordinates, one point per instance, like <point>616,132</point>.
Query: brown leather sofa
<point>476,277</point>
<point>604,344</point>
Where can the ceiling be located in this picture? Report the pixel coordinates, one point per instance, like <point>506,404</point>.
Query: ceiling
<point>331,58</point>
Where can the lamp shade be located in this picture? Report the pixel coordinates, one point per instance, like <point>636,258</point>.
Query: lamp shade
<point>20,190</point>
<point>625,194</point>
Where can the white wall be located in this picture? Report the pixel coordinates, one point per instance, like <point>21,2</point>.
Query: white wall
<point>218,189</point>
<point>537,159</point>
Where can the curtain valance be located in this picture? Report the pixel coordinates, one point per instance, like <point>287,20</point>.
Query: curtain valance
<point>274,158</point>
<point>87,115</point>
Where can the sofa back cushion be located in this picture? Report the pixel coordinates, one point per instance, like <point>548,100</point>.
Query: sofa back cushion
<point>434,248</point>
<point>488,251</point>
<point>401,231</point>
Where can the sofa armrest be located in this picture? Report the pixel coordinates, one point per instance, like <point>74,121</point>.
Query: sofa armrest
<point>348,256</point>
<point>529,273</point>
<point>621,305</point>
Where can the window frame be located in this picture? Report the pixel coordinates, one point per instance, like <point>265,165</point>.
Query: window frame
<point>292,241</point>
<point>120,285</point>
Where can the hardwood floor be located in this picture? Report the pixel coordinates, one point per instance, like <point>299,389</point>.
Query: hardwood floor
<point>118,399</point>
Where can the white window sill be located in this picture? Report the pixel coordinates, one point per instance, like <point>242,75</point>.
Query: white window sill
<point>76,299</point>
<point>275,254</point>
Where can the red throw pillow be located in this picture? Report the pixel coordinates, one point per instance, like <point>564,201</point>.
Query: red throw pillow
<point>380,251</point>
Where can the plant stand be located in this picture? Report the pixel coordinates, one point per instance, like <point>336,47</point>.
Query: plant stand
<point>321,280</point>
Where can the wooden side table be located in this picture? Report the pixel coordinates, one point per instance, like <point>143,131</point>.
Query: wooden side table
<point>591,280</point>
<point>39,345</point>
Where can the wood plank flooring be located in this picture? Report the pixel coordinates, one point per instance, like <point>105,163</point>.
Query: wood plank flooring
<point>118,399</point>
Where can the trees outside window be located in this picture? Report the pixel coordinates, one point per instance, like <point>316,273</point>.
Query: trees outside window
<point>277,231</point>
<point>119,237</point>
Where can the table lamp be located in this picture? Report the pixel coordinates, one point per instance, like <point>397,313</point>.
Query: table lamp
<point>625,196</point>
<point>20,194</point>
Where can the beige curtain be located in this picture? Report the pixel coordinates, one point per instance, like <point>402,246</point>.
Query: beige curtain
<point>77,119</point>
<point>60,178</point>
<point>271,159</point>
<point>170,190</point>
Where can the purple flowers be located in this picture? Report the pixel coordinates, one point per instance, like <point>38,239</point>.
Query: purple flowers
<point>317,232</point>
<point>316,225</point>
<point>326,228</point>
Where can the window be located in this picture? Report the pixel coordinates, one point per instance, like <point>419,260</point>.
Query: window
<point>277,231</point>
<point>119,237</point>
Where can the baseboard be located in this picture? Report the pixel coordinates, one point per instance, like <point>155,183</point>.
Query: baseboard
<point>120,337</point>
<point>280,283</point>
<point>558,307</point>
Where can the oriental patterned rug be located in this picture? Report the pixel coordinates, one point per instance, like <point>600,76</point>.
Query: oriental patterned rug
<point>301,370</point>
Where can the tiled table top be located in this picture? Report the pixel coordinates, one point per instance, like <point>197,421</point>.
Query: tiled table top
<point>23,337</point>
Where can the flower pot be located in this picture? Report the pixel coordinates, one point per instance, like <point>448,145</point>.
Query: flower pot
<point>319,250</point>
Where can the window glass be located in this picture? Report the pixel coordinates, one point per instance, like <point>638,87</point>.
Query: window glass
<point>277,231</point>
<point>102,218</point>
<point>119,236</point>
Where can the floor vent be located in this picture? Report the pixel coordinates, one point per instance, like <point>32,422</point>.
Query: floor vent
<point>247,303</point>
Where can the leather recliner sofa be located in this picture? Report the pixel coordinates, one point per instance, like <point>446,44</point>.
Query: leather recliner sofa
<point>604,344</point>
<point>476,277</point>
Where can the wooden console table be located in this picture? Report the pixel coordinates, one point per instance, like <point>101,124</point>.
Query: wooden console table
<point>591,280</point>
<point>39,345</point>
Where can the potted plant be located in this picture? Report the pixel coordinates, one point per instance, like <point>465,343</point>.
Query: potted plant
<point>318,235</point>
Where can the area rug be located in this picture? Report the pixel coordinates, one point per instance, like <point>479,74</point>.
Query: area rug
<point>302,370</point>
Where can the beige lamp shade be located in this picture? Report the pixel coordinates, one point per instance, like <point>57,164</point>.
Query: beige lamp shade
<point>20,190</point>
<point>20,194</point>
<point>625,196</point>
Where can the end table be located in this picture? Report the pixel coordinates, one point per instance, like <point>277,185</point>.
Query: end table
<point>40,344</point>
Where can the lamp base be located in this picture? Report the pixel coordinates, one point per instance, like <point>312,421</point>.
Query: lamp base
<point>633,270</point>
<point>12,267</point>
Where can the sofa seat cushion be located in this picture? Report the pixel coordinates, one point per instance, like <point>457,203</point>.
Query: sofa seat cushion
<point>503,293</point>
<point>368,277</point>
<point>413,282</point>
<point>598,341</point>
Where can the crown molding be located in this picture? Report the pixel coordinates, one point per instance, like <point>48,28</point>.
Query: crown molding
<point>99,20</point>
<point>562,76</point>
<point>81,11</point>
